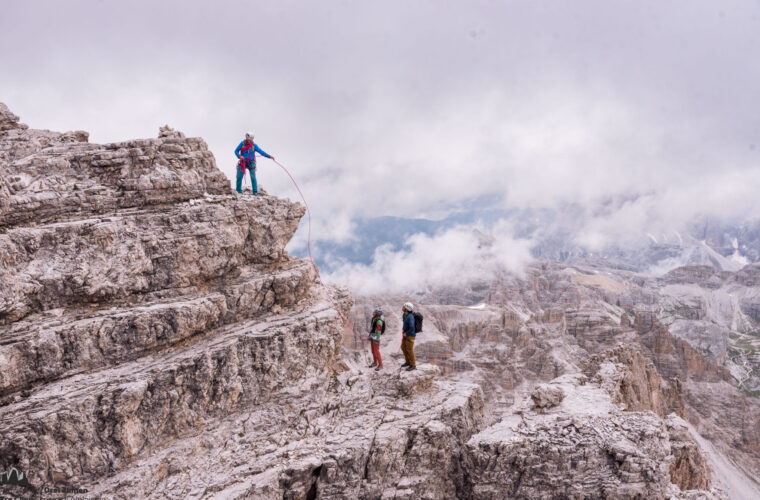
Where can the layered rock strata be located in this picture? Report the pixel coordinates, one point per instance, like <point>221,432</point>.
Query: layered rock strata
<point>581,445</point>
<point>559,320</point>
<point>141,300</point>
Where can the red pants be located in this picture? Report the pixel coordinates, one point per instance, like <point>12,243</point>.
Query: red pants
<point>376,353</point>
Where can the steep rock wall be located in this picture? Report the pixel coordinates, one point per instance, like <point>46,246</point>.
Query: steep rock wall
<point>141,300</point>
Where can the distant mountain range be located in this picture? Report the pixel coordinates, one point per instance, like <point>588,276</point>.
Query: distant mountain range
<point>706,241</point>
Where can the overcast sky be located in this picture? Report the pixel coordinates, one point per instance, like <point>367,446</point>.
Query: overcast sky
<point>643,112</point>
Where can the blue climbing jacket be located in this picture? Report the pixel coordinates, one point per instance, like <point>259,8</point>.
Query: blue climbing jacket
<point>409,325</point>
<point>248,151</point>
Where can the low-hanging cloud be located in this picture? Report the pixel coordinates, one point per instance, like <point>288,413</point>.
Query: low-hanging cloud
<point>640,116</point>
<point>453,257</point>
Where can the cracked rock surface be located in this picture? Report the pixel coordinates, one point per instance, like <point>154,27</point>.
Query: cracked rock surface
<point>141,301</point>
<point>157,341</point>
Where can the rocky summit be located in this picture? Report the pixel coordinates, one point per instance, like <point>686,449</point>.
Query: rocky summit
<point>157,341</point>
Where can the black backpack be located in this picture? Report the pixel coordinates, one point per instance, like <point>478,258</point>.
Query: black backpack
<point>374,322</point>
<point>417,322</point>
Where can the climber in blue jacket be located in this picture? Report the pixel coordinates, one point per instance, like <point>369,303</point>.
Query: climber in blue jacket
<point>246,153</point>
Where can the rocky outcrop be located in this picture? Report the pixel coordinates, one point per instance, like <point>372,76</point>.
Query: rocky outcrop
<point>50,177</point>
<point>354,437</point>
<point>584,446</point>
<point>706,276</point>
<point>50,345</point>
<point>634,383</point>
<point>748,276</point>
<point>593,329</point>
<point>9,121</point>
<point>157,341</point>
<point>141,301</point>
<point>117,257</point>
<point>689,469</point>
<point>547,396</point>
<point>617,457</point>
<point>674,357</point>
<point>113,414</point>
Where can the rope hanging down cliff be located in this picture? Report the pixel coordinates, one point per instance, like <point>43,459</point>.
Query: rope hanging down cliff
<point>316,269</point>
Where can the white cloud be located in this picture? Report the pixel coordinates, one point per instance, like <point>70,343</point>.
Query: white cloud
<point>449,258</point>
<point>640,115</point>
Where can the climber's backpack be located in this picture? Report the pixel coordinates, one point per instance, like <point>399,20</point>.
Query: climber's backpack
<point>374,323</point>
<point>417,322</point>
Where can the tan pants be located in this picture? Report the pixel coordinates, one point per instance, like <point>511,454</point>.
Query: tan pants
<point>407,347</point>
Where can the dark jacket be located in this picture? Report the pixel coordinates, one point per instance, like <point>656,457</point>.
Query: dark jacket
<point>409,325</point>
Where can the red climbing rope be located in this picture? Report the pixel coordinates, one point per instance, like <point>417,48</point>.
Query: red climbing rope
<point>316,269</point>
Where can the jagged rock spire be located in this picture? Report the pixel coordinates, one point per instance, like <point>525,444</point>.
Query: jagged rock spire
<point>9,121</point>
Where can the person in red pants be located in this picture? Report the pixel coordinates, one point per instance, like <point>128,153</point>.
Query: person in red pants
<point>376,329</point>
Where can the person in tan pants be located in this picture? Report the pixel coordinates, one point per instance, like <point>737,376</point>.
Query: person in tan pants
<point>408,335</point>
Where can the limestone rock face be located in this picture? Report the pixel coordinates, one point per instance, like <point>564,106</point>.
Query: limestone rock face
<point>689,469</point>
<point>584,447</point>
<point>417,381</point>
<point>633,381</point>
<point>9,121</point>
<point>707,275</point>
<point>156,340</point>
<point>679,347</point>
<point>53,177</point>
<point>350,438</point>
<point>547,396</point>
<point>141,301</point>
<point>617,457</point>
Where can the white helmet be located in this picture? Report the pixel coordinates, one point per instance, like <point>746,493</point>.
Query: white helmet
<point>408,306</point>
<point>248,136</point>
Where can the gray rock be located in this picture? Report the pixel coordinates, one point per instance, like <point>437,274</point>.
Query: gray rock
<point>584,448</point>
<point>547,396</point>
